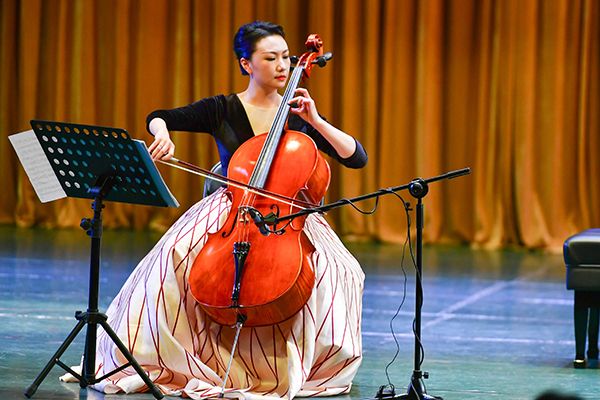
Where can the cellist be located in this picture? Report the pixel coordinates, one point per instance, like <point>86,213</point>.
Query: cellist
<point>317,351</point>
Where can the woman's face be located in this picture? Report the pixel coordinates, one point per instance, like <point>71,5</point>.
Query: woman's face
<point>269,65</point>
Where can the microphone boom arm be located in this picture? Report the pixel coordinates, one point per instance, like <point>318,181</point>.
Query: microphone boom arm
<point>417,187</point>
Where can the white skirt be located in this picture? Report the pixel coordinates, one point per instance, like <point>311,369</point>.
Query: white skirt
<point>315,353</point>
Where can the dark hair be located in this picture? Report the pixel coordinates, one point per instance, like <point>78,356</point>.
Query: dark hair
<point>244,42</point>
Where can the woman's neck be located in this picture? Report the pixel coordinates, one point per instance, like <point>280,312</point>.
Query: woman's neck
<point>260,98</point>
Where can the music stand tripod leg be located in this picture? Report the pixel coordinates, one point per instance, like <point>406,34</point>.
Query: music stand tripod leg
<point>33,387</point>
<point>153,389</point>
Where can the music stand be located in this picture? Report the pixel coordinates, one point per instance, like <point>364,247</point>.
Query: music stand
<point>99,163</point>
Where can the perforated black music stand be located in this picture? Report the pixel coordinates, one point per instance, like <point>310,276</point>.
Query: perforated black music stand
<point>98,163</point>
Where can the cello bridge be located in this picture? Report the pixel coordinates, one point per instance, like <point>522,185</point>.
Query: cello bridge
<point>243,216</point>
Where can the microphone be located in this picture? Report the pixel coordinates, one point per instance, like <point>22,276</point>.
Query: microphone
<point>259,221</point>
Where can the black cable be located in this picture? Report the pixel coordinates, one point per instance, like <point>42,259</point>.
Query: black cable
<point>407,209</point>
<point>350,202</point>
<point>418,273</point>
<point>347,201</point>
<point>394,317</point>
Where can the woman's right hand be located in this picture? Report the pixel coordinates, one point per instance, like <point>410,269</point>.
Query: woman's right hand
<point>162,148</point>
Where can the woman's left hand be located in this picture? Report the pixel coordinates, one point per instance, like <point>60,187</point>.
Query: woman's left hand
<point>344,144</point>
<point>305,106</point>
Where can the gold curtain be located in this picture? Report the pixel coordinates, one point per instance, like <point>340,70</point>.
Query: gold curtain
<point>509,88</point>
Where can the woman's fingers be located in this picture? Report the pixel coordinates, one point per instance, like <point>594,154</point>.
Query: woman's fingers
<point>305,105</point>
<point>162,149</point>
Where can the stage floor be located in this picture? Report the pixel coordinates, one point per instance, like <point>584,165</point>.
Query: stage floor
<point>496,324</point>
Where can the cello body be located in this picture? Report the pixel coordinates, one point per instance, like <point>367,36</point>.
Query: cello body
<point>277,276</point>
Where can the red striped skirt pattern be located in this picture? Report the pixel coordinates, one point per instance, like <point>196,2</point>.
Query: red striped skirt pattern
<point>315,353</point>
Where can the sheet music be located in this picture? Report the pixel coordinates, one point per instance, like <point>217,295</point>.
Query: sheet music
<point>37,167</point>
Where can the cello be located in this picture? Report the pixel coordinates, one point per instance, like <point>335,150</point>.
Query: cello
<point>243,273</point>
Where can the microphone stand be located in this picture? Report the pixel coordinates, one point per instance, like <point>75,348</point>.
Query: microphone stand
<point>418,188</point>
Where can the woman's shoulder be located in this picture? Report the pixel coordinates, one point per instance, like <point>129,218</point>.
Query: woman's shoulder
<point>221,100</point>
<point>220,104</point>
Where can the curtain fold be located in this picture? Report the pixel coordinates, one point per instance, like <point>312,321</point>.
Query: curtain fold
<point>508,88</point>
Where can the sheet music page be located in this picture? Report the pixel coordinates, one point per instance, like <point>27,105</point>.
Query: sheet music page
<point>37,167</point>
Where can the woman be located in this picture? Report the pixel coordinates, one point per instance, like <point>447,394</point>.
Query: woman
<point>316,352</point>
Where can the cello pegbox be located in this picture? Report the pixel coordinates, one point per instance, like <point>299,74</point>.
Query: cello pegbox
<point>314,44</point>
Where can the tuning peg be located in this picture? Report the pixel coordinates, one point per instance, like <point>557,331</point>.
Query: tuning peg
<point>321,61</point>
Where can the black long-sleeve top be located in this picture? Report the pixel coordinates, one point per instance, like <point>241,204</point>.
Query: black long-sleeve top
<point>225,118</point>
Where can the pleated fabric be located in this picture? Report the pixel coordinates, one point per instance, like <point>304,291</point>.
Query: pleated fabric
<point>315,353</point>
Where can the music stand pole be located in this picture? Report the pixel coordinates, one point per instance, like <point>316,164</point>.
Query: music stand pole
<point>94,229</point>
<point>92,318</point>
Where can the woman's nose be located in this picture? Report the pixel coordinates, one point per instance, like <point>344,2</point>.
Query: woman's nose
<point>281,64</point>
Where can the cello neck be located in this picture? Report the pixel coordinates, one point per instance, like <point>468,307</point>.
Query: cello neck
<point>265,159</point>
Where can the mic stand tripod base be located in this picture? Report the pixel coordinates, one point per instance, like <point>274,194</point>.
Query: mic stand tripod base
<point>416,390</point>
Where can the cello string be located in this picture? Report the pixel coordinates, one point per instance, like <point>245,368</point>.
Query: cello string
<point>267,153</point>
<point>247,201</point>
